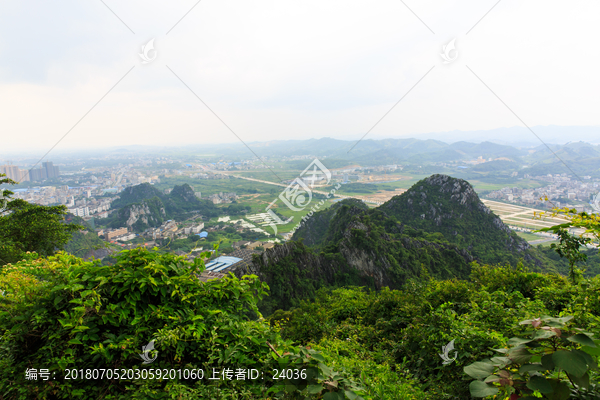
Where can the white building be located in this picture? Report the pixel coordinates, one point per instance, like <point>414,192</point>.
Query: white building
<point>197,229</point>
<point>80,212</point>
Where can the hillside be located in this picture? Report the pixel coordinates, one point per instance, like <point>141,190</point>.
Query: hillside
<point>439,226</point>
<point>355,247</point>
<point>136,194</point>
<point>142,206</point>
<point>86,244</point>
<point>451,207</point>
<point>314,231</point>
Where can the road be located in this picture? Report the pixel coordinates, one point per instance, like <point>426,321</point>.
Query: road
<point>341,196</point>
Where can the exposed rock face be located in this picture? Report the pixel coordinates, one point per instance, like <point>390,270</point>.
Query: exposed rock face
<point>142,211</point>
<point>439,225</point>
<point>376,268</point>
<point>145,214</point>
<point>451,206</point>
<point>312,264</point>
<point>143,206</point>
<point>458,191</point>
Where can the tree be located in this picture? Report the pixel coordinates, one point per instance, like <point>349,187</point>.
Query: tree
<point>5,194</point>
<point>30,227</point>
<point>150,326</point>
<point>569,244</point>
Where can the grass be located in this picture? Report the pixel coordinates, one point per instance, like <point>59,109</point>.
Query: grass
<point>529,236</point>
<point>213,186</point>
<point>269,176</point>
<point>297,215</point>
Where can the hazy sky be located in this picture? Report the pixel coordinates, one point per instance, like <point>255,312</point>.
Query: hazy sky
<point>289,69</point>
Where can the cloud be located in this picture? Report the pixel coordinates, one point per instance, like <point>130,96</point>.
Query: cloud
<point>284,69</point>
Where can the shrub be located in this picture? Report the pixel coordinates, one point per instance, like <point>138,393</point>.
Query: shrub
<point>556,361</point>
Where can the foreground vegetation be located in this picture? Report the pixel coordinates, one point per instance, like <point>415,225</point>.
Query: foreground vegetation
<point>61,314</point>
<point>395,337</point>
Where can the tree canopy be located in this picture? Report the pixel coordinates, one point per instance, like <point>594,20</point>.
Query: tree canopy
<point>30,227</point>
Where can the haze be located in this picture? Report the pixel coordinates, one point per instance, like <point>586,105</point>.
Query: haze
<point>274,70</point>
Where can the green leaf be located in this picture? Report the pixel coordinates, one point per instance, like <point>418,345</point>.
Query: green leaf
<point>520,355</point>
<point>479,369</point>
<point>503,351</point>
<point>589,360</point>
<point>571,362</point>
<point>582,339</point>
<point>539,383</point>
<point>544,334</point>
<point>560,391</point>
<point>314,389</point>
<point>583,382</point>
<point>501,361</point>
<point>75,341</point>
<point>517,341</point>
<point>333,396</point>
<point>531,367</point>
<point>557,322</point>
<point>547,362</point>
<point>481,389</point>
<point>350,395</point>
<point>593,351</point>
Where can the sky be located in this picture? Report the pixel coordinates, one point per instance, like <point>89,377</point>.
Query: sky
<point>223,71</point>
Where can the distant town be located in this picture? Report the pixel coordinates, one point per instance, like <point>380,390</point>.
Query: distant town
<point>239,191</point>
<point>561,191</point>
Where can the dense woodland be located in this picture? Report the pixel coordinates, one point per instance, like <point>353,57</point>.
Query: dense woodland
<point>367,301</point>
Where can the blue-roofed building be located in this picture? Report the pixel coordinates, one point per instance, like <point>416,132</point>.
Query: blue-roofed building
<point>220,264</point>
<point>202,234</point>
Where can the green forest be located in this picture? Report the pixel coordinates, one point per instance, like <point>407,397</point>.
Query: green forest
<point>362,304</point>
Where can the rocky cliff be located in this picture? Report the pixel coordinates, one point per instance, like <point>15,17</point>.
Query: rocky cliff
<point>138,217</point>
<point>439,225</point>
<point>451,207</point>
<point>143,206</point>
<point>357,252</point>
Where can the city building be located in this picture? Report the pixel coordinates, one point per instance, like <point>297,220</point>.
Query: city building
<point>15,173</point>
<point>115,233</point>
<point>47,171</point>
<point>197,229</point>
<point>80,212</point>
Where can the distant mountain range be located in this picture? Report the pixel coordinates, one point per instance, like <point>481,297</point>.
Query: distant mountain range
<point>575,146</point>
<point>520,136</point>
